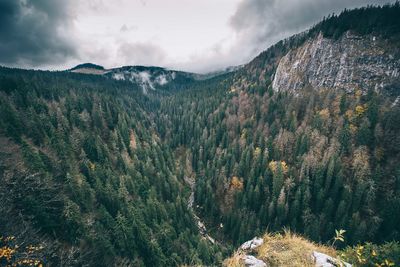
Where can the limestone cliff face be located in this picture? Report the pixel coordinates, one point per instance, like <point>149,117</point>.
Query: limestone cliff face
<point>349,63</point>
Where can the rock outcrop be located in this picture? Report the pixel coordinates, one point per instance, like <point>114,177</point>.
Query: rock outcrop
<point>251,261</point>
<point>352,62</point>
<point>252,244</point>
<point>323,260</point>
<point>249,247</point>
<point>287,249</point>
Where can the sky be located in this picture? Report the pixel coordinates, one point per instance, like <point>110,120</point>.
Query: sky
<point>190,35</point>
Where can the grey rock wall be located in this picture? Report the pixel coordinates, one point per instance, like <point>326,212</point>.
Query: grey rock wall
<point>351,62</point>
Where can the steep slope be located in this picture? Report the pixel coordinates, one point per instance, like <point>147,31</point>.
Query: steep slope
<point>350,63</point>
<point>356,50</point>
<point>310,157</point>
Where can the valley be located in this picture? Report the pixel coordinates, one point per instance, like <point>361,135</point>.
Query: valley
<point>147,166</point>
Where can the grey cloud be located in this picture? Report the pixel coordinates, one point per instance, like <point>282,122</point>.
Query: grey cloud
<point>260,23</point>
<point>125,28</point>
<point>33,32</point>
<point>41,33</point>
<point>141,54</point>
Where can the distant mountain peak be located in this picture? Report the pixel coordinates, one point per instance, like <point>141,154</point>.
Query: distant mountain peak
<point>87,66</point>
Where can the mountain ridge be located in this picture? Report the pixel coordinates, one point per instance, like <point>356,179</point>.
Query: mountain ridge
<point>98,170</point>
<point>374,23</point>
<point>150,78</point>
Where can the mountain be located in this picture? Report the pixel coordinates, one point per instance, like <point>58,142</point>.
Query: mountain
<point>340,52</point>
<point>352,62</point>
<point>216,73</point>
<point>150,78</point>
<point>145,166</point>
<point>147,78</point>
<point>88,68</point>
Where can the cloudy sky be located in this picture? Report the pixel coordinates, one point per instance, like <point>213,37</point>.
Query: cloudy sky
<point>191,35</point>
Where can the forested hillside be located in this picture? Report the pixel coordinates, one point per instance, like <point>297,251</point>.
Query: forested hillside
<point>93,172</point>
<point>321,161</point>
<point>317,160</point>
<point>85,174</point>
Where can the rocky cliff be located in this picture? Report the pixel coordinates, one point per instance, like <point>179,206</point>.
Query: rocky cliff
<point>349,63</point>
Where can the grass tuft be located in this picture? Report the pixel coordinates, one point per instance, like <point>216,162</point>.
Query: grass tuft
<point>284,249</point>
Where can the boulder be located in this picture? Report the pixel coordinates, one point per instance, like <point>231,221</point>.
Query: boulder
<point>252,261</point>
<point>252,244</point>
<point>323,260</point>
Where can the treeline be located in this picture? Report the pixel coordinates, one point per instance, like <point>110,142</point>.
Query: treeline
<point>381,20</point>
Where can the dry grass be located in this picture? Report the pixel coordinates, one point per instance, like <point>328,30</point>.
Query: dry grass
<point>287,249</point>
<point>234,261</point>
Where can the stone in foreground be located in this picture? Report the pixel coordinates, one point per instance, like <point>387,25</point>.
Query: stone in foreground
<point>251,261</point>
<point>252,244</point>
<point>323,260</point>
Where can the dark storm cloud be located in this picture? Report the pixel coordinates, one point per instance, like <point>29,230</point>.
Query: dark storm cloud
<point>260,23</point>
<point>34,32</point>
